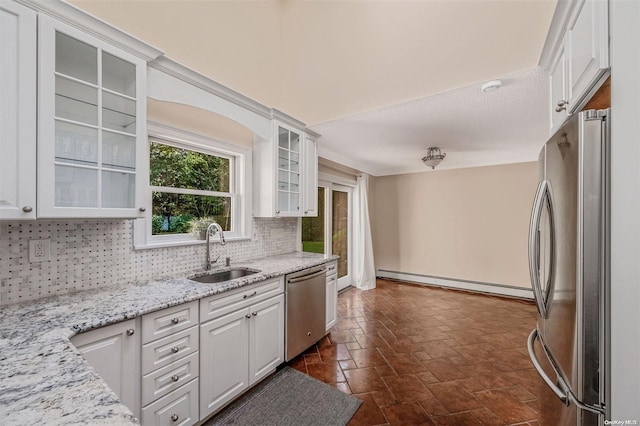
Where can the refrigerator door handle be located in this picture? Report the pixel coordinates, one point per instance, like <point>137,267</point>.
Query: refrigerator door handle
<point>534,247</point>
<point>562,391</point>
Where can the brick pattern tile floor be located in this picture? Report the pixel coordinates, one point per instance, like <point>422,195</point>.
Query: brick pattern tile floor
<point>418,355</point>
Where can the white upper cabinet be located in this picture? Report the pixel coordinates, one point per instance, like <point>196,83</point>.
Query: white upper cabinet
<point>588,41</point>
<point>310,181</point>
<point>92,159</point>
<point>17,111</point>
<point>285,173</point>
<point>288,179</point>
<point>558,89</point>
<point>578,60</point>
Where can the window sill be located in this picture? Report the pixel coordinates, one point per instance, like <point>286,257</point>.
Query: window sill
<point>185,242</point>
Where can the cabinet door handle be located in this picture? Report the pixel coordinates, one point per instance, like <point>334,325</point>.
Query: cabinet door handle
<point>255,314</point>
<point>175,349</point>
<point>27,209</point>
<point>248,316</point>
<point>277,211</point>
<point>174,417</point>
<point>142,209</point>
<point>175,321</point>
<point>246,296</point>
<point>562,105</point>
<point>175,378</point>
<point>131,332</point>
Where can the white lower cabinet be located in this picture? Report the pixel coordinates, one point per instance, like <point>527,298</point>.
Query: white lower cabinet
<point>332,295</point>
<point>225,349</point>
<point>170,366</point>
<point>180,407</point>
<point>180,371</point>
<point>114,352</point>
<point>266,338</point>
<point>237,350</point>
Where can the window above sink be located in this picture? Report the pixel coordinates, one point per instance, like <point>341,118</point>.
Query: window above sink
<point>193,177</point>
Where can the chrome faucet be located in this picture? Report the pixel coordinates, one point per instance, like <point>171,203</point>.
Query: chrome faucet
<point>214,226</point>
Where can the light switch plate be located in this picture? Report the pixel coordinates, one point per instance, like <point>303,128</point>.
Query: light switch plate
<point>39,250</point>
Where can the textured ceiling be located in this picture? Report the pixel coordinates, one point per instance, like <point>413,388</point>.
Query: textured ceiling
<point>472,127</point>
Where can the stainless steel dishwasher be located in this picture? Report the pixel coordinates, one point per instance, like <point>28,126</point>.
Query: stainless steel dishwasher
<point>306,309</point>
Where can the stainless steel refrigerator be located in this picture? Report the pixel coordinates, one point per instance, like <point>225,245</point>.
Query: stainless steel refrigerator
<point>568,263</point>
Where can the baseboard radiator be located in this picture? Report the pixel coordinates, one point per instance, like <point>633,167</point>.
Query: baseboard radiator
<point>476,286</point>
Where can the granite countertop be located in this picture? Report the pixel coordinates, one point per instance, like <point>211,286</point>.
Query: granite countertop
<point>45,380</point>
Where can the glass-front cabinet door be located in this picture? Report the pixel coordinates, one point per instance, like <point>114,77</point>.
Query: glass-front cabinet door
<point>288,175</point>
<point>92,121</point>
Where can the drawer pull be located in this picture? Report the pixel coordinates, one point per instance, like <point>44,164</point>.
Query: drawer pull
<point>175,349</point>
<point>131,332</point>
<point>175,321</point>
<point>175,378</point>
<point>246,296</point>
<point>174,417</point>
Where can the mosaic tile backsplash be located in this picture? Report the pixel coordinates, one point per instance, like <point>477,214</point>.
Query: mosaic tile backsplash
<point>91,254</point>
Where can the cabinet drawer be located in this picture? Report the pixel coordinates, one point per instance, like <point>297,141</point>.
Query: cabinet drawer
<point>216,306</point>
<point>168,321</point>
<point>180,407</point>
<point>169,349</point>
<point>166,379</point>
<point>332,267</point>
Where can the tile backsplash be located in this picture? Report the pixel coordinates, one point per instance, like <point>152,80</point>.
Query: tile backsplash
<point>95,253</point>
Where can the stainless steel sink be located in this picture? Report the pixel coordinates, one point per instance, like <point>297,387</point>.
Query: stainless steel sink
<point>226,275</point>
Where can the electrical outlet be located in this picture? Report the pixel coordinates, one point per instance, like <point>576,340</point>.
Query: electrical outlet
<point>39,250</point>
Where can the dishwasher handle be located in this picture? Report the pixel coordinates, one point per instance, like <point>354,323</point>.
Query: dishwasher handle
<point>306,277</point>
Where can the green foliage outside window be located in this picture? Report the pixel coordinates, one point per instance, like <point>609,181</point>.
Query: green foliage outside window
<point>172,167</point>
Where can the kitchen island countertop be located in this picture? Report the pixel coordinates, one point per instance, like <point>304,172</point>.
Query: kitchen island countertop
<point>45,380</point>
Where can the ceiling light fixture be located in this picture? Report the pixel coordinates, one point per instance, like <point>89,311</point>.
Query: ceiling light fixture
<point>433,157</point>
<point>491,86</point>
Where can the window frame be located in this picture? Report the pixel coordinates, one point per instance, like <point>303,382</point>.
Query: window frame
<point>239,186</point>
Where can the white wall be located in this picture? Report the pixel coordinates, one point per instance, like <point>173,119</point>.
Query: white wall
<point>465,224</point>
<point>625,210</point>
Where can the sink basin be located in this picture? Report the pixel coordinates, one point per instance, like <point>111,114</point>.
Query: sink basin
<point>229,274</point>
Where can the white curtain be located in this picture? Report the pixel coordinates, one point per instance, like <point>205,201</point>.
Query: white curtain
<point>364,269</point>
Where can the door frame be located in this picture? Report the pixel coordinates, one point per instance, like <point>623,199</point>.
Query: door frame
<point>329,186</point>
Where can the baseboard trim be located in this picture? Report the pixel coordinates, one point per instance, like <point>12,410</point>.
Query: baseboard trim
<point>477,286</point>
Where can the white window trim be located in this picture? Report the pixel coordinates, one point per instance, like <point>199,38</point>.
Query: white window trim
<point>142,238</point>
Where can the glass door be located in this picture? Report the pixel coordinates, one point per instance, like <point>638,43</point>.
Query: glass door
<point>341,232</point>
<point>330,232</point>
<point>288,171</point>
<point>95,121</point>
<point>313,228</point>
